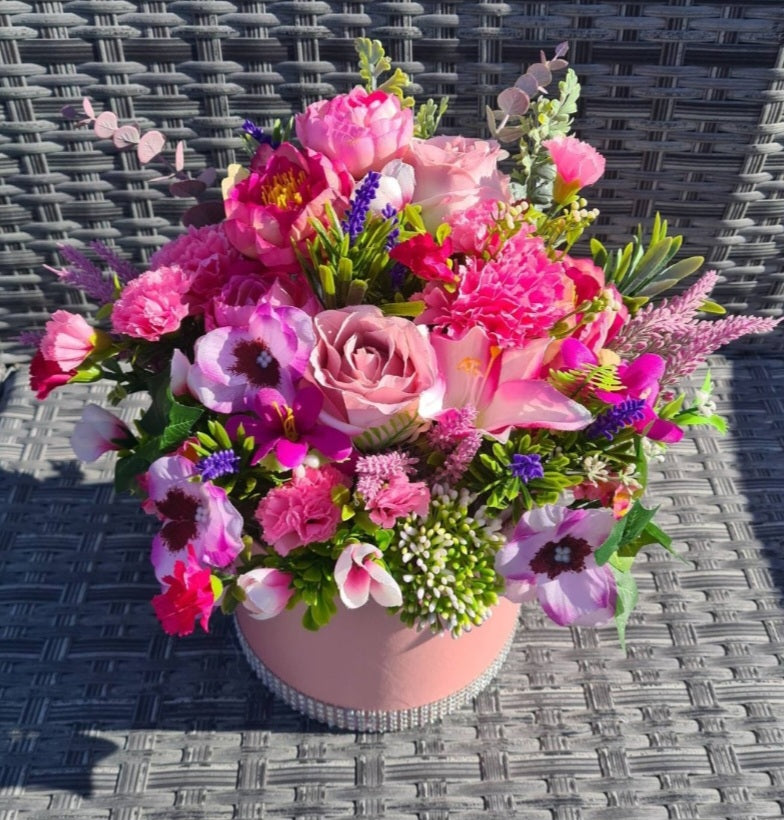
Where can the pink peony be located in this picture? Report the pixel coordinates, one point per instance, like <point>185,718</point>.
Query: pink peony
<point>362,130</point>
<point>268,209</point>
<point>359,575</point>
<point>455,173</point>
<point>369,366</point>
<point>188,597</point>
<point>577,164</point>
<point>208,259</point>
<point>549,556</point>
<point>68,340</point>
<point>516,297</point>
<point>267,591</point>
<point>232,364</point>
<point>97,432</point>
<point>152,305</point>
<point>302,511</point>
<point>240,295</point>
<point>400,497</point>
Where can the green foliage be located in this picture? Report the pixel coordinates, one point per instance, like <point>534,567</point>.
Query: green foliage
<point>644,267</point>
<point>491,478</point>
<point>428,117</point>
<point>373,64</point>
<point>625,603</point>
<point>586,380</point>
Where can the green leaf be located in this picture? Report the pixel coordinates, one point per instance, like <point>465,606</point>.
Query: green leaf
<point>709,306</point>
<point>610,546</point>
<point>628,594</point>
<point>126,470</point>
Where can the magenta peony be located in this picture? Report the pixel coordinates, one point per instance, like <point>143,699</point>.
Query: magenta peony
<point>268,209</point>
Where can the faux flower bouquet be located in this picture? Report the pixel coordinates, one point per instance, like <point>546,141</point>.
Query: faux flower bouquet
<point>382,376</point>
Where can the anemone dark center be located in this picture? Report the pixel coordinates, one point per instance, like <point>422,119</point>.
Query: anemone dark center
<point>253,360</point>
<point>182,512</point>
<point>566,555</point>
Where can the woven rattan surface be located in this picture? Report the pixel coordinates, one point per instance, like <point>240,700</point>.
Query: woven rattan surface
<point>103,716</point>
<point>684,97</point>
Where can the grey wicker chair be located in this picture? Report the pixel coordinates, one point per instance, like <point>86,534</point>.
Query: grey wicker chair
<point>103,716</point>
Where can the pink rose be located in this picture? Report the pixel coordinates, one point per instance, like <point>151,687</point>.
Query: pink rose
<point>267,209</point>
<point>302,511</point>
<point>361,130</point>
<point>369,366</point>
<point>152,305</point>
<point>455,173</point>
<point>267,591</point>
<point>577,164</point>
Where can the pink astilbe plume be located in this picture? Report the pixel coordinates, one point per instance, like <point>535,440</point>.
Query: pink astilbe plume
<point>672,331</point>
<point>455,435</point>
<point>376,470</point>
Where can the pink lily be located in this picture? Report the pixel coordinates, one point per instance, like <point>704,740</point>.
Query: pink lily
<point>359,575</point>
<point>641,380</point>
<point>291,429</point>
<point>501,385</point>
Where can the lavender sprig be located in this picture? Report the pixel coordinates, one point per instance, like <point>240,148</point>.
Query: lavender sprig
<point>354,222</point>
<point>612,421</point>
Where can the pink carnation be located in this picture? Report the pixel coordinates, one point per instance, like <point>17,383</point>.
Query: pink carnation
<point>515,297</point>
<point>152,305</point>
<point>208,259</point>
<point>68,340</point>
<point>400,497</point>
<point>302,511</point>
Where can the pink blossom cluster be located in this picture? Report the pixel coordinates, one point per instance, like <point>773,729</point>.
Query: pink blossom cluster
<point>299,424</point>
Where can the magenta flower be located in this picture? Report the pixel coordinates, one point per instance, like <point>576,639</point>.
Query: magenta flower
<point>359,576</point>
<point>97,432</point>
<point>233,363</point>
<point>641,380</point>
<point>267,591</point>
<point>550,556</point>
<point>290,429</point>
<point>301,511</point>
<point>195,514</point>
<point>503,387</point>
<point>577,164</point>
<point>189,596</point>
<point>152,305</point>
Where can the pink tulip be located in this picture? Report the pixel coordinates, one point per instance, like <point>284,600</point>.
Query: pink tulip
<point>577,164</point>
<point>98,432</point>
<point>267,591</point>
<point>68,340</point>
<point>359,576</point>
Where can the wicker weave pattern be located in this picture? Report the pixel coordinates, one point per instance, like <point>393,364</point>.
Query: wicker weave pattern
<point>103,716</point>
<point>685,98</point>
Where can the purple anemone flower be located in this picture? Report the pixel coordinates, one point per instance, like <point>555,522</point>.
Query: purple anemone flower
<point>549,556</point>
<point>231,364</point>
<point>194,513</point>
<point>290,429</point>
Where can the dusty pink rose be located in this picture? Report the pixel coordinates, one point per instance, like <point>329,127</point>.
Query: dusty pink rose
<point>369,366</point>
<point>68,340</point>
<point>577,164</point>
<point>267,591</point>
<point>302,511</point>
<point>152,305</point>
<point>399,498</point>
<point>362,130</point>
<point>360,574</point>
<point>455,173</point>
<point>97,432</point>
<point>268,209</point>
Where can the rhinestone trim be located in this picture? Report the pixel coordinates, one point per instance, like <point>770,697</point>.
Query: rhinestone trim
<point>366,720</point>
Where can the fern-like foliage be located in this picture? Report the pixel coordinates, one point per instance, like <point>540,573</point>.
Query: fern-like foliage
<point>587,379</point>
